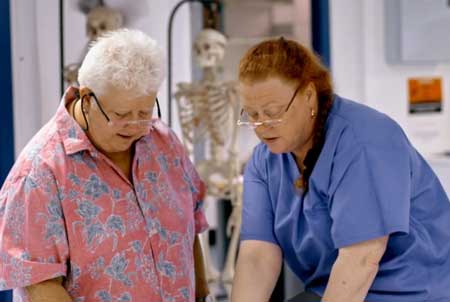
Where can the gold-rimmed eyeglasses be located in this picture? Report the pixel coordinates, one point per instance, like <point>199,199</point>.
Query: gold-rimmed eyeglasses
<point>275,115</point>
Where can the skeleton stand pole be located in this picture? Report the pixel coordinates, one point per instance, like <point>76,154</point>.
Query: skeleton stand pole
<point>206,4</point>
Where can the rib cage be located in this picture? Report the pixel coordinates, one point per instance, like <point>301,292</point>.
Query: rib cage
<point>207,111</point>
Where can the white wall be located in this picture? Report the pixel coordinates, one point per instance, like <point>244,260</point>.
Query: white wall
<point>26,95</point>
<point>360,72</point>
<point>35,44</point>
<point>347,48</point>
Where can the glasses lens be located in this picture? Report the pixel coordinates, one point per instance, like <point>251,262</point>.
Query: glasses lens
<point>272,123</point>
<point>245,124</point>
<point>244,120</point>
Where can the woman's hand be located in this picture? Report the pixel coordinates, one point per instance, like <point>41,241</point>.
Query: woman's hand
<point>354,271</point>
<point>48,291</point>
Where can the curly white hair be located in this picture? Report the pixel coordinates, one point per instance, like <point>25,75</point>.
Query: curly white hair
<point>124,59</point>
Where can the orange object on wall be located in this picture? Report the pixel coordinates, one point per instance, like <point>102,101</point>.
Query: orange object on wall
<point>425,94</point>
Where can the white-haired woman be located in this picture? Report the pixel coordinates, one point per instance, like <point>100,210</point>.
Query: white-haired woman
<point>103,204</point>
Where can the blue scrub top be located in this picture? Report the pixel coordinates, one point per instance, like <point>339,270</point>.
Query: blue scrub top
<point>368,182</point>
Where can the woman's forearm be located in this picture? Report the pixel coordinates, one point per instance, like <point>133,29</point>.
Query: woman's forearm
<point>252,283</point>
<point>48,291</point>
<point>201,284</point>
<point>354,271</point>
<point>349,281</point>
<point>255,276</point>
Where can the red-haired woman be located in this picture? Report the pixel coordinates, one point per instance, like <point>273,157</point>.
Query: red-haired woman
<point>335,189</point>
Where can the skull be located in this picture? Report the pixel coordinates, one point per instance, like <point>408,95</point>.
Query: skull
<point>101,20</point>
<point>86,5</point>
<point>209,47</point>
<point>71,74</point>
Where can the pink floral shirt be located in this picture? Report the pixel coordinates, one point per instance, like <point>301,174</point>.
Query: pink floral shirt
<point>67,210</point>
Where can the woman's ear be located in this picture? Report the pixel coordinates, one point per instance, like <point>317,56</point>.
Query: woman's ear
<point>85,98</point>
<point>84,91</point>
<point>310,93</point>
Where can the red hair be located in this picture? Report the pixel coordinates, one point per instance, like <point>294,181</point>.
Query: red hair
<point>294,63</point>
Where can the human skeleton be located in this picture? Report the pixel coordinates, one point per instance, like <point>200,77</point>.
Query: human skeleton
<point>208,111</point>
<point>100,20</point>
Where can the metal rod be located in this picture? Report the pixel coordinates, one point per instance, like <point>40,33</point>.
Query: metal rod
<point>205,3</point>
<point>61,45</point>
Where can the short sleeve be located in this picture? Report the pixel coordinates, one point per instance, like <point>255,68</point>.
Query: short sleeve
<point>370,197</point>
<point>197,186</point>
<point>33,241</point>
<point>257,210</point>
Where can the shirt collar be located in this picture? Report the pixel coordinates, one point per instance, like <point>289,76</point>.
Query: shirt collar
<point>73,136</point>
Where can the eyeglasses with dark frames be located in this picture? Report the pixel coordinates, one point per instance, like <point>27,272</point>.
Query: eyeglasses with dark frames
<point>147,123</point>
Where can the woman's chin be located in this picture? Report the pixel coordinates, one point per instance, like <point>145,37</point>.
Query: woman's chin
<point>276,147</point>
<point>118,147</point>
